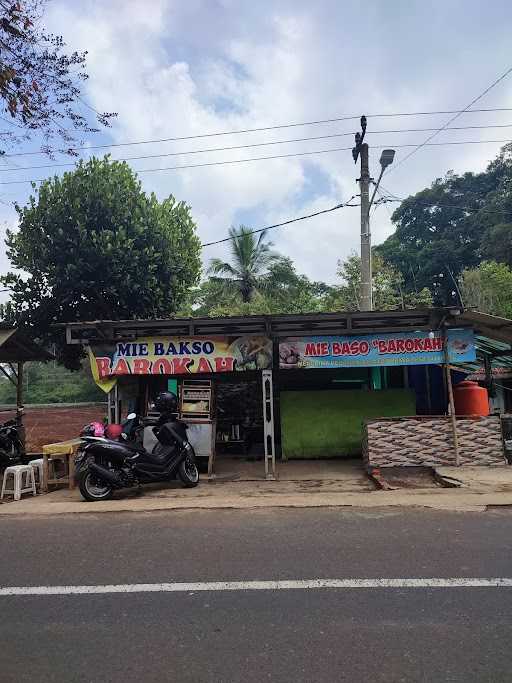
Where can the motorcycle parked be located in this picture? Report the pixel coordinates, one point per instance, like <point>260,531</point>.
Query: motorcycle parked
<point>105,465</point>
<point>11,445</point>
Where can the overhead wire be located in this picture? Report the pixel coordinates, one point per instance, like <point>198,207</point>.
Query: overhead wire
<point>256,130</point>
<point>266,144</point>
<point>280,225</point>
<point>453,118</point>
<point>226,162</point>
<point>392,197</point>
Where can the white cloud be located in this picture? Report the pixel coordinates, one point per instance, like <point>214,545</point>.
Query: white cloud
<point>174,69</point>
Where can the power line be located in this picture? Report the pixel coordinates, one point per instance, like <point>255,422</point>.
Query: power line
<point>452,119</point>
<point>257,144</point>
<point>394,198</point>
<point>226,162</point>
<point>257,130</point>
<point>280,225</point>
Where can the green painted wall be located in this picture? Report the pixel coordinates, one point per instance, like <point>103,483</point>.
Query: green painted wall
<point>316,424</point>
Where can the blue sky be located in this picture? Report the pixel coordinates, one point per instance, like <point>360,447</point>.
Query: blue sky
<point>171,68</point>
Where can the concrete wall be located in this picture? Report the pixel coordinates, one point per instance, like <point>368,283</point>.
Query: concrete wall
<point>428,441</point>
<point>51,423</point>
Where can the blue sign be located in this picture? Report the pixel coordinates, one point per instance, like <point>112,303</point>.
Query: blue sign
<point>401,348</point>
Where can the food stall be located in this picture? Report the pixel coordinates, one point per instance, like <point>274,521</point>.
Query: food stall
<point>299,386</point>
<point>218,381</point>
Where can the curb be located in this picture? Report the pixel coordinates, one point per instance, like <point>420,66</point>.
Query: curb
<point>444,499</point>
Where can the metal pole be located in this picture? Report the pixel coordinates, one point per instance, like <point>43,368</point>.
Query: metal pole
<point>268,424</point>
<point>450,400</point>
<point>366,245</point>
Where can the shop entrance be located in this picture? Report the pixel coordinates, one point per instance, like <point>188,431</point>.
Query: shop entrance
<point>244,426</point>
<point>238,415</point>
<point>229,417</point>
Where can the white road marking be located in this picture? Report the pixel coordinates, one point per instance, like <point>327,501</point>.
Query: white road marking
<point>301,584</point>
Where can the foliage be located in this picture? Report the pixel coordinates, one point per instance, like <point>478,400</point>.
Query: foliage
<point>52,383</point>
<point>497,243</point>
<point>251,257</point>
<point>452,226</point>
<point>93,245</point>
<point>388,287</point>
<point>280,290</point>
<point>488,288</point>
<point>289,292</point>
<point>39,83</point>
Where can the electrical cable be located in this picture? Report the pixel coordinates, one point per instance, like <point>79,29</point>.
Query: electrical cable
<point>262,144</point>
<point>226,162</point>
<point>394,198</point>
<point>279,225</point>
<point>452,119</point>
<point>257,130</point>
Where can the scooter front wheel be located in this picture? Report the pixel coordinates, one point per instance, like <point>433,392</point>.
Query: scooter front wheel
<point>94,490</point>
<point>188,473</point>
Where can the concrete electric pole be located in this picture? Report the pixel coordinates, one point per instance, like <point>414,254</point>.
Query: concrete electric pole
<point>361,151</point>
<point>366,245</point>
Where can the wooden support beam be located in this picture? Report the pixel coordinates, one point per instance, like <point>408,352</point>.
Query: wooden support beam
<point>451,402</point>
<point>11,377</point>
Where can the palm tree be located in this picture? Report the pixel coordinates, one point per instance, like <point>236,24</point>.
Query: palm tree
<point>250,258</point>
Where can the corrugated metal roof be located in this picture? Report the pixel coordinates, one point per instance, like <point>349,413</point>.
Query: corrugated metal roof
<point>498,352</point>
<point>16,347</point>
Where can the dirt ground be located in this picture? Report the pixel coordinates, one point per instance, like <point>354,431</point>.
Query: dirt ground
<point>51,424</point>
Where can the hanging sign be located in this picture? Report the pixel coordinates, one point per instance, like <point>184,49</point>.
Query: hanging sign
<point>181,356</point>
<point>403,348</point>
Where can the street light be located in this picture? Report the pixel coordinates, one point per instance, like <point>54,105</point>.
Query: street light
<point>386,159</point>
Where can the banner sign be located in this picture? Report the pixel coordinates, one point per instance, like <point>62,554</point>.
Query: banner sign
<point>497,372</point>
<point>402,348</point>
<point>180,356</point>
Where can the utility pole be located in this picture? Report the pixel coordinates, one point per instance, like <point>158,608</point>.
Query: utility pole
<point>366,243</point>
<point>361,151</point>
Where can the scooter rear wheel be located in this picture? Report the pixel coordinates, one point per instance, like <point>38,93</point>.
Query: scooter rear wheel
<point>93,490</point>
<point>188,473</point>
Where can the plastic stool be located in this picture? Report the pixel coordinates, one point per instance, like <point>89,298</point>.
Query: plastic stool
<point>18,471</point>
<point>37,466</point>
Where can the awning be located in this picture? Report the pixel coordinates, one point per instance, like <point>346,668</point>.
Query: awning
<point>17,347</point>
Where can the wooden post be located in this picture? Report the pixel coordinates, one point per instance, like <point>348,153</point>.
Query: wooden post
<point>46,473</point>
<point>451,402</point>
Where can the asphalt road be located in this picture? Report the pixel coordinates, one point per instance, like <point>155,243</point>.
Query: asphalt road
<point>377,634</point>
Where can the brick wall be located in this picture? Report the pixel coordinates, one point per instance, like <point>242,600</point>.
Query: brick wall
<point>49,424</point>
<point>428,441</point>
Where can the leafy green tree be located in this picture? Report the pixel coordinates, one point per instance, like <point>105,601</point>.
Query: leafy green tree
<point>497,243</point>
<point>251,257</point>
<point>280,290</point>
<point>434,234</point>
<point>39,82</point>
<point>388,287</point>
<point>92,245</point>
<point>52,383</point>
<point>488,288</point>
<point>452,226</point>
<point>289,292</point>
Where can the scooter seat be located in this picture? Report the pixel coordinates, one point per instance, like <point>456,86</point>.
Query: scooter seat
<point>161,454</point>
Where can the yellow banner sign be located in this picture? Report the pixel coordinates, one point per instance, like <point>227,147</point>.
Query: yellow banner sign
<point>180,356</point>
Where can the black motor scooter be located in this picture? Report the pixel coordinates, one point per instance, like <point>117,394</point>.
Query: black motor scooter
<point>11,444</point>
<point>104,465</point>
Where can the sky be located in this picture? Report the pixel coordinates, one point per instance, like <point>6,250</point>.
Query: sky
<point>171,68</point>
